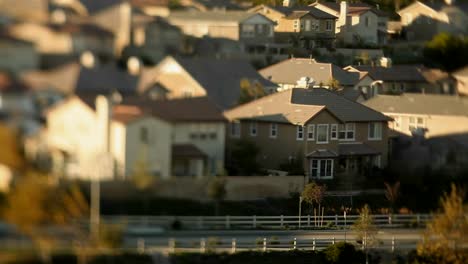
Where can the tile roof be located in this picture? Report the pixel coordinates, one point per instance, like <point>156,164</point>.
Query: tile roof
<point>196,109</point>
<point>395,73</point>
<point>291,70</point>
<point>297,106</point>
<point>425,104</point>
<point>126,113</point>
<point>221,77</point>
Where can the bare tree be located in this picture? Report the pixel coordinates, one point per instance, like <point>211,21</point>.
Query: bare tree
<point>392,192</point>
<point>365,229</point>
<point>313,193</point>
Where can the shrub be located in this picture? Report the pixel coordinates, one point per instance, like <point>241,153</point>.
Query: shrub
<point>343,253</point>
<point>176,225</point>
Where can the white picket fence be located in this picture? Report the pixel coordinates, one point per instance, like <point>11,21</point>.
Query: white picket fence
<point>268,222</point>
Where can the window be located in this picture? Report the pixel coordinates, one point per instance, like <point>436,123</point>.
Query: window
<point>253,129</point>
<point>299,132</point>
<point>273,130</point>
<point>235,129</point>
<point>260,29</point>
<point>308,25</point>
<point>328,25</point>
<point>311,132</point>
<point>321,168</point>
<point>334,132</point>
<point>248,30</point>
<point>415,123</point>
<point>322,133</point>
<point>375,131</point>
<point>144,135</point>
<point>346,132</point>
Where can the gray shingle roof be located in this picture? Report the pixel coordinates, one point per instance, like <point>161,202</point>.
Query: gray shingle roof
<point>297,106</point>
<point>356,149</point>
<point>291,70</point>
<point>221,77</point>
<point>395,73</point>
<point>429,104</point>
<point>95,6</point>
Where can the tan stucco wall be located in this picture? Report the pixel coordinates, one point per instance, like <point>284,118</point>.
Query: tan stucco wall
<point>212,147</point>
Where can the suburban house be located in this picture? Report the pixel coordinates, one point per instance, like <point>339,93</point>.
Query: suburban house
<point>313,27</point>
<point>398,79</point>
<point>307,72</point>
<point>250,29</point>
<point>422,20</point>
<point>461,77</point>
<point>219,79</point>
<point>172,138</point>
<point>358,23</point>
<point>433,128</point>
<point>430,114</point>
<point>332,136</point>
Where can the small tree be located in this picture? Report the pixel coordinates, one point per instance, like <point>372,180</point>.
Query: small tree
<point>313,193</point>
<point>250,91</point>
<point>365,229</point>
<point>244,158</point>
<point>447,51</point>
<point>392,192</point>
<point>333,84</point>
<point>217,191</point>
<point>447,231</point>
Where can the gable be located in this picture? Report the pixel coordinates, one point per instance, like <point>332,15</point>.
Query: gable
<point>257,19</point>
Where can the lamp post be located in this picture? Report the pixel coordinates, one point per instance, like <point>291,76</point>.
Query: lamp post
<point>300,207</point>
<point>95,205</point>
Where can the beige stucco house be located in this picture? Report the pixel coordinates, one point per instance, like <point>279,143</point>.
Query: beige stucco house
<point>422,20</point>
<point>429,114</point>
<point>332,135</point>
<point>357,23</point>
<point>314,27</point>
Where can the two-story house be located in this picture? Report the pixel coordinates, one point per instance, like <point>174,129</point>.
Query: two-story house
<point>398,79</point>
<point>307,72</point>
<point>332,135</point>
<point>421,21</point>
<point>358,23</point>
<point>314,27</point>
<point>247,28</point>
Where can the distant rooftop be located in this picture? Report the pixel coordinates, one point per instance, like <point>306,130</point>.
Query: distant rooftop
<point>221,16</point>
<point>425,104</point>
<point>407,73</point>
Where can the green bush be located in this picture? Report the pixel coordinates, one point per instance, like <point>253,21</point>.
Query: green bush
<point>343,253</point>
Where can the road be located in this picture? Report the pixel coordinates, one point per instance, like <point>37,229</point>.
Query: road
<point>403,238</point>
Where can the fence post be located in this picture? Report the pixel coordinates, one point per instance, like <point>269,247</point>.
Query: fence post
<point>295,243</point>
<point>141,245</point>
<point>254,221</point>
<point>336,220</point>
<point>333,240</point>
<point>282,220</point>
<point>228,222</point>
<point>200,222</point>
<point>393,244</point>
<point>172,245</point>
<point>233,246</point>
<point>308,220</point>
<point>313,244</point>
<point>389,219</point>
<point>264,244</point>
<point>418,219</point>
<point>202,245</point>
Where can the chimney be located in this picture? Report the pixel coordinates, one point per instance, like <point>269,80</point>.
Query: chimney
<point>343,13</point>
<point>288,3</point>
<point>385,62</point>
<point>133,65</point>
<point>88,60</point>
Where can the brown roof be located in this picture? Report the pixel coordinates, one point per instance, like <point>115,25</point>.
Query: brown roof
<point>187,151</point>
<point>197,109</point>
<point>325,153</point>
<point>126,113</point>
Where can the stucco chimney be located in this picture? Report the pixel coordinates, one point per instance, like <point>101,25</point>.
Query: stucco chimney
<point>343,13</point>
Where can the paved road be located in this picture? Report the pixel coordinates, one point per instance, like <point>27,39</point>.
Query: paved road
<point>403,238</point>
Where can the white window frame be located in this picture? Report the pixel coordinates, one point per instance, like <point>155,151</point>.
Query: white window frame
<point>273,130</point>
<point>318,168</point>
<point>253,129</point>
<point>235,128</point>
<point>328,25</point>
<point>310,132</point>
<point>248,30</point>
<point>415,123</point>
<point>334,128</point>
<point>300,132</point>
<point>375,127</point>
<point>346,130</point>
<point>326,133</point>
